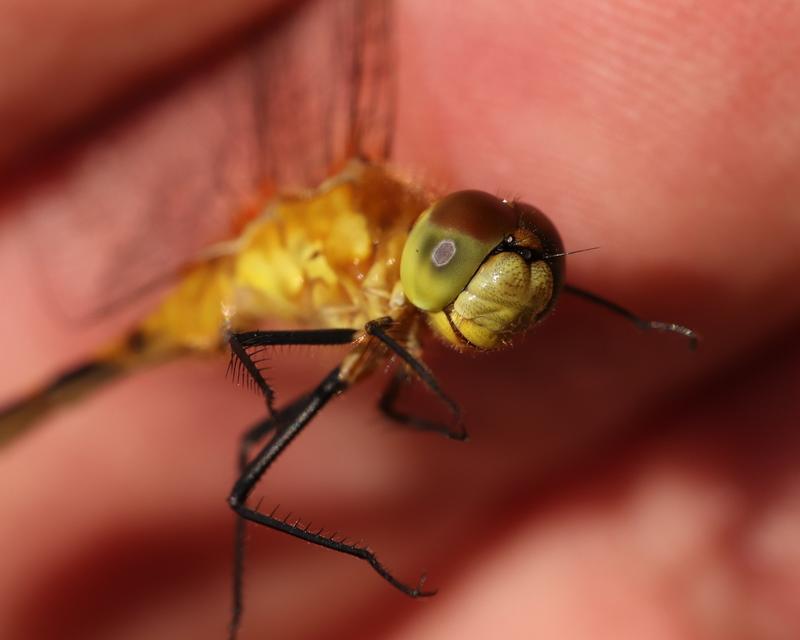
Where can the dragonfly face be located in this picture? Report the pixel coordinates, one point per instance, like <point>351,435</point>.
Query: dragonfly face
<point>482,268</point>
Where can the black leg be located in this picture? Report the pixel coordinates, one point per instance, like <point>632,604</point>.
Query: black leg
<point>377,328</point>
<point>645,325</point>
<point>387,407</point>
<point>302,412</point>
<point>250,437</point>
<point>247,352</point>
<point>248,440</point>
<point>246,358</point>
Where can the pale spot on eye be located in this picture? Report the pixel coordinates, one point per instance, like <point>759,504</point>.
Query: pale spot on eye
<point>443,252</point>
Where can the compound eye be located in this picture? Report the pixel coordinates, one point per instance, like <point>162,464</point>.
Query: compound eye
<point>448,243</point>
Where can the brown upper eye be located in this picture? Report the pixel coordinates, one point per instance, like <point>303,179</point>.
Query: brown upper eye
<point>477,214</point>
<point>449,242</point>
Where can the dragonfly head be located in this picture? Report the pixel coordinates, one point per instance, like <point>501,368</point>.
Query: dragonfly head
<point>483,269</point>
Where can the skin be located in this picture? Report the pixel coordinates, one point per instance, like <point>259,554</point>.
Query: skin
<point>616,485</point>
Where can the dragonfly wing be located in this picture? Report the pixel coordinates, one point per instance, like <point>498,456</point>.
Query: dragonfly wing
<point>139,197</point>
<point>324,85</point>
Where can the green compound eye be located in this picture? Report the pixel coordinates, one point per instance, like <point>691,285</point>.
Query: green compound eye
<point>448,243</point>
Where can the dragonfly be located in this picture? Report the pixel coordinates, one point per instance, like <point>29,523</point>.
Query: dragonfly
<point>366,259</point>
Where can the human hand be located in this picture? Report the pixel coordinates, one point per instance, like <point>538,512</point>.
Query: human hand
<point>616,485</point>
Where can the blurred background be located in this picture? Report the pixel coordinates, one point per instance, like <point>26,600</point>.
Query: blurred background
<point>615,485</point>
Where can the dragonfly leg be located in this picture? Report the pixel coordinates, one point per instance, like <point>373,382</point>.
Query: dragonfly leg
<point>250,437</point>
<point>377,328</point>
<point>644,325</point>
<point>289,424</point>
<point>387,405</point>
<point>248,440</point>
<point>242,343</point>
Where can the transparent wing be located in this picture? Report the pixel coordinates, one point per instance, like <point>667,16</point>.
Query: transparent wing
<point>126,207</point>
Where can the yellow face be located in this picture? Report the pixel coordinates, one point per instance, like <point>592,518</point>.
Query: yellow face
<point>482,268</point>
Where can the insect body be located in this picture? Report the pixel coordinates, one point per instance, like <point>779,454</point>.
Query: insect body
<point>479,270</point>
<point>365,260</point>
<point>326,259</point>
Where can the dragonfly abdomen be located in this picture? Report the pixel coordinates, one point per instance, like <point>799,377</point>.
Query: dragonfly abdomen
<point>65,389</point>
